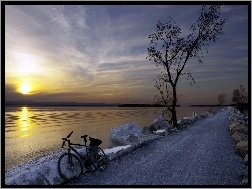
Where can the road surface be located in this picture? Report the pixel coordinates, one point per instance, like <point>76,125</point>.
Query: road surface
<point>199,155</point>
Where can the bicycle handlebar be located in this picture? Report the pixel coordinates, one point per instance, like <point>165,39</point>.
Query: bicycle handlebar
<point>84,136</point>
<point>68,136</point>
<point>66,139</point>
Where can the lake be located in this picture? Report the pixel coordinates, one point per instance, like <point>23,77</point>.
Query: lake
<point>32,132</point>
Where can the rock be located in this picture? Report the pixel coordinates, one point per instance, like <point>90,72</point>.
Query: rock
<point>184,121</point>
<point>245,160</point>
<point>188,120</point>
<point>132,139</point>
<point>145,139</point>
<point>40,171</point>
<point>245,181</point>
<point>146,130</point>
<point>233,117</point>
<point>239,128</point>
<point>208,114</point>
<point>242,148</point>
<point>126,134</point>
<point>159,123</point>
<point>238,117</point>
<point>237,136</point>
<point>202,115</point>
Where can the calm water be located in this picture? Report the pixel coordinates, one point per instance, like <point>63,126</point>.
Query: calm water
<point>32,132</point>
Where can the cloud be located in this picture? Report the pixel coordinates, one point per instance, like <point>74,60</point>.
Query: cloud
<point>57,16</point>
<point>97,51</point>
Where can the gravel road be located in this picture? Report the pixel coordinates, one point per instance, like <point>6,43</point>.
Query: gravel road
<point>199,155</point>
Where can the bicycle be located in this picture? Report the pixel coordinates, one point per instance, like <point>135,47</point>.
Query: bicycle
<point>70,165</point>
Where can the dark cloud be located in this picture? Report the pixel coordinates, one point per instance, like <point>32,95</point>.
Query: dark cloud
<point>125,65</point>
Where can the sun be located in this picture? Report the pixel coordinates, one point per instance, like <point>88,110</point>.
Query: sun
<point>25,88</point>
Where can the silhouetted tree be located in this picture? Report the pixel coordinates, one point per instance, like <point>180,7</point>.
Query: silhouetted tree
<point>171,53</point>
<point>240,95</point>
<point>240,98</point>
<point>221,98</point>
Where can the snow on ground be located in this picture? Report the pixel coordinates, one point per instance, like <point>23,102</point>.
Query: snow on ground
<point>43,171</point>
<point>160,132</point>
<point>115,149</point>
<point>38,171</point>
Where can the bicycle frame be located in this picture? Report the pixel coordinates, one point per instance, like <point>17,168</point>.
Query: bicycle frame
<point>85,158</point>
<point>73,149</point>
<point>70,165</point>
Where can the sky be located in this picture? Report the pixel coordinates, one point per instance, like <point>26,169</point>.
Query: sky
<point>97,53</point>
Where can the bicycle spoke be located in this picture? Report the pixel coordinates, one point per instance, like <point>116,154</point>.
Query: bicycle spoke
<point>98,157</point>
<point>69,166</point>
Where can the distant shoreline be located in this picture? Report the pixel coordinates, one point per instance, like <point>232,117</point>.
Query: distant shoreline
<point>38,104</point>
<point>75,104</point>
<point>211,105</point>
<point>141,105</point>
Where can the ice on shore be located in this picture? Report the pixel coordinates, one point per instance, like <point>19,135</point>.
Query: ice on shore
<point>44,170</point>
<point>116,149</point>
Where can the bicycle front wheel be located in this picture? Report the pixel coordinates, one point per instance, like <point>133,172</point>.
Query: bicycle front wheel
<point>98,158</point>
<point>69,166</point>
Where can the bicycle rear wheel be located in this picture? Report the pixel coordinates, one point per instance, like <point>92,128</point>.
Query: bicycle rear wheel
<point>98,158</point>
<point>69,166</point>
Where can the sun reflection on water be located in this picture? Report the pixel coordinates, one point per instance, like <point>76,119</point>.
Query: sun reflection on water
<point>24,122</point>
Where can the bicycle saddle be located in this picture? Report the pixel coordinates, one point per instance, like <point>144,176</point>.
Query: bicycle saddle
<point>94,141</point>
<point>84,136</point>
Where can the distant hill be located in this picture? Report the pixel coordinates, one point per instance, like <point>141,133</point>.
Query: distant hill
<point>34,103</point>
<point>142,105</point>
<point>210,105</point>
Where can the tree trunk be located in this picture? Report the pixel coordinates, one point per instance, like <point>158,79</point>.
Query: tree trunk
<point>174,103</point>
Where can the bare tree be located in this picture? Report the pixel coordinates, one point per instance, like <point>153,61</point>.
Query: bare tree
<point>240,95</point>
<point>240,98</point>
<point>221,98</point>
<point>171,52</point>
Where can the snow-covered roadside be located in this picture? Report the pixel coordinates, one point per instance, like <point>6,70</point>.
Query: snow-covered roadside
<point>43,171</point>
<point>239,131</point>
<point>40,171</point>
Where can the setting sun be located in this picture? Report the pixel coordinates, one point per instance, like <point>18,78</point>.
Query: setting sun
<point>25,88</point>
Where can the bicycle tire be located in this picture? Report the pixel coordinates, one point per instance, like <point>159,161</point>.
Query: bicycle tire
<point>69,166</point>
<point>98,158</point>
